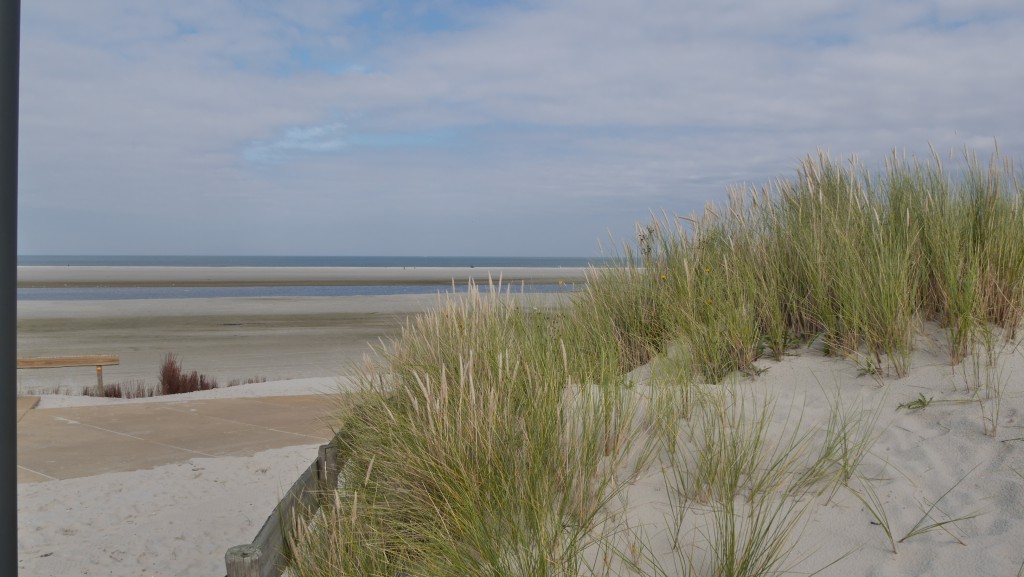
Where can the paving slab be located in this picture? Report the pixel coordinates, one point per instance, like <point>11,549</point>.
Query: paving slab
<point>61,448</point>
<point>286,414</point>
<point>66,443</point>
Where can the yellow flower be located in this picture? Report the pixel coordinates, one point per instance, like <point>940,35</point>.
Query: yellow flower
<point>710,301</point>
<point>663,277</point>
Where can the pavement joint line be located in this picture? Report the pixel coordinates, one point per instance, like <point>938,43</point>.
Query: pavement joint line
<point>130,436</point>
<point>247,425</point>
<point>33,471</point>
<point>263,401</point>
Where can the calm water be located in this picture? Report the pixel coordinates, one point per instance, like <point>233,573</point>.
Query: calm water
<point>119,293</point>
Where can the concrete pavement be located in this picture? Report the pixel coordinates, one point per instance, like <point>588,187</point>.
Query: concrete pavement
<point>66,443</point>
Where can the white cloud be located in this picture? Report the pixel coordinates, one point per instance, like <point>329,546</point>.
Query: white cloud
<point>211,118</point>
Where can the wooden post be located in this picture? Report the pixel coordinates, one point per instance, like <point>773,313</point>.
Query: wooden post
<point>266,556</point>
<point>327,462</point>
<point>333,467</point>
<point>243,561</point>
<point>321,466</point>
<point>98,361</point>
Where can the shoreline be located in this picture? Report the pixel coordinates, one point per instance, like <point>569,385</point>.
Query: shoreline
<point>276,338</point>
<point>164,276</point>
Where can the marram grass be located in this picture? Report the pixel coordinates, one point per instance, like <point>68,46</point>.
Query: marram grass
<point>498,435</point>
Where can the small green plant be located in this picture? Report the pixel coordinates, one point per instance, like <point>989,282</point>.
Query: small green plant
<point>133,389</point>
<point>918,404</point>
<point>925,524</point>
<point>928,523</point>
<point>984,379</point>
<point>869,498</point>
<point>868,365</point>
<point>849,434</point>
<point>247,381</point>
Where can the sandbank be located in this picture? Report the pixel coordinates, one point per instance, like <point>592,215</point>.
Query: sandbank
<point>158,276</point>
<point>272,338</point>
<point>224,338</point>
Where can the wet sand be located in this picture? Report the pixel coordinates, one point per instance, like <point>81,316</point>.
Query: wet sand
<point>272,338</point>
<point>155,276</point>
<point>226,338</point>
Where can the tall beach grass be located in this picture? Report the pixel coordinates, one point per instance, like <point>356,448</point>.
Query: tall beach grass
<point>499,435</point>
<point>855,259</point>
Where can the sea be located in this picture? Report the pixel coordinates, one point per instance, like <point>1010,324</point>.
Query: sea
<point>130,293</point>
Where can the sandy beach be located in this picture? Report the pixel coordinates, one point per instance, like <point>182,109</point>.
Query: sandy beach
<point>168,521</point>
<point>178,518</point>
<point>272,338</point>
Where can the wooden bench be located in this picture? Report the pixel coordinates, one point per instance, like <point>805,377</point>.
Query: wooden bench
<point>98,361</point>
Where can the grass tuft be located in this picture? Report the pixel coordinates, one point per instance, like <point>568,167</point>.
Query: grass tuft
<point>173,380</point>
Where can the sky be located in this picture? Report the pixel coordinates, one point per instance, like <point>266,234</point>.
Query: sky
<point>461,127</point>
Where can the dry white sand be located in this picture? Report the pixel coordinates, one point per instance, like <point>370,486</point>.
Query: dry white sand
<point>170,521</point>
<point>918,456</point>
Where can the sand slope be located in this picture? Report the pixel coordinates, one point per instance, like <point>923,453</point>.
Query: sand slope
<point>918,456</point>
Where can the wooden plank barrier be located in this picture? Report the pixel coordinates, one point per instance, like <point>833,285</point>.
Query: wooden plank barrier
<point>98,361</point>
<point>79,361</point>
<point>267,555</point>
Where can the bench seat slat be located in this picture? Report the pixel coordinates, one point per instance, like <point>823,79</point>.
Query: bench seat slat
<point>79,361</point>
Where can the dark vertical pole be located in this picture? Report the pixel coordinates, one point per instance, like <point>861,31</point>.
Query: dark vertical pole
<point>10,36</point>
